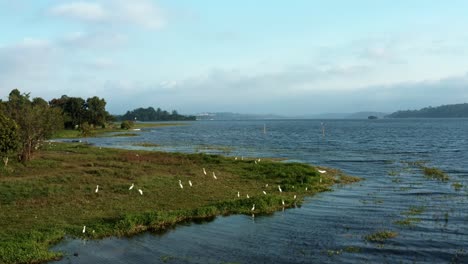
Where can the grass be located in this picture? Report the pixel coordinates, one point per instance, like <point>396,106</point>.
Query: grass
<point>414,210</point>
<point>381,236</point>
<point>53,196</point>
<point>410,221</point>
<point>435,173</point>
<point>457,186</point>
<point>115,127</point>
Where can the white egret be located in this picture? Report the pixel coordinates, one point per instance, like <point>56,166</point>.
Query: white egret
<point>253,208</point>
<point>255,161</point>
<point>140,191</point>
<point>307,188</point>
<point>238,194</point>
<point>131,187</point>
<point>235,158</point>
<point>264,192</point>
<point>282,202</point>
<point>248,196</point>
<point>214,176</point>
<point>204,171</point>
<point>295,197</point>
<point>180,184</point>
<point>322,171</point>
<point>279,189</point>
<point>190,183</point>
<point>84,229</point>
<point>97,189</point>
<point>259,160</point>
<point>266,185</point>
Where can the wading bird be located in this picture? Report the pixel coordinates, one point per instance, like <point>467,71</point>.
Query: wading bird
<point>295,197</point>
<point>322,171</point>
<point>84,229</point>
<point>214,176</point>
<point>140,191</point>
<point>264,192</point>
<point>307,188</point>
<point>190,183</point>
<point>248,196</point>
<point>204,171</point>
<point>238,194</point>
<point>282,202</point>
<point>131,187</point>
<point>97,189</point>
<point>180,184</point>
<point>253,208</point>
<point>255,161</point>
<point>279,189</point>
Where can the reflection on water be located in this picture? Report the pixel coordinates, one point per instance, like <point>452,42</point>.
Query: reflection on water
<point>329,227</point>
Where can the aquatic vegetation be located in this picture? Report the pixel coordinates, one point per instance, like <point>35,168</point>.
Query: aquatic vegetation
<point>146,144</point>
<point>414,210</point>
<point>410,221</point>
<point>435,173</point>
<point>54,195</point>
<point>457,186</point>
<point>352,249</point>
<point>381,236</point>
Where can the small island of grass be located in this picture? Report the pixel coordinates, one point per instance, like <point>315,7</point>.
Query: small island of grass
<point>55,194</point>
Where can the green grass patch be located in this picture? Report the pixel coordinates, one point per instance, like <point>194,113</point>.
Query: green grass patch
<point>410,221</point>
<point>435,173</point>
<point>54,195</point>
<point>414,210</point>
<point>457,186</point>
<point>381,236</point>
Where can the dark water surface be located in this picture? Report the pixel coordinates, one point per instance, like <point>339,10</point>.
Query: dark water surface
<point>329,227</point>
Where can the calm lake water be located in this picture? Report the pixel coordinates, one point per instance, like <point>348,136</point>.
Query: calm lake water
<point>329,227</point>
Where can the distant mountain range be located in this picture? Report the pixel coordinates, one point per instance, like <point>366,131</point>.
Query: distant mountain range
<point>443,111</point>
<point>237,116</point>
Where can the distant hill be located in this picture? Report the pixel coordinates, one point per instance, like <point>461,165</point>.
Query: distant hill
<point>235,116</point>
<point>444,111</point>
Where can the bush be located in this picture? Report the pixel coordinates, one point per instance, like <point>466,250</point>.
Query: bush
<point>126,124</point>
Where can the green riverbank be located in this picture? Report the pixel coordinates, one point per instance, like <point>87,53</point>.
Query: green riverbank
<point>54,195</point>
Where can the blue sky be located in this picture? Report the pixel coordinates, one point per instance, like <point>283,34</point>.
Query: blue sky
<point>292,57</point>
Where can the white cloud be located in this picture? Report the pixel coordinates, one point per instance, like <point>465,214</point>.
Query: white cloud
<point>95,40</point>
<point>141,13</point>
<point>85,11</point>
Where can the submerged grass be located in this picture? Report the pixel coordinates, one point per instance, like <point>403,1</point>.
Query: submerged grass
<point>54,195</point>
<point>435,173</point>
<point>381,236</point>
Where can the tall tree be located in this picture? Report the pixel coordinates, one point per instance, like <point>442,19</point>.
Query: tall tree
<point>96,109</point>
<point>9,140</point>
<point>36,120</point>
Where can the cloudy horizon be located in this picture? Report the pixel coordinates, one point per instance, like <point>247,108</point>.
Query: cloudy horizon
<point>267,57</point>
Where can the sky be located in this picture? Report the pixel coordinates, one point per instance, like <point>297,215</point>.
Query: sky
<point>299,57</point>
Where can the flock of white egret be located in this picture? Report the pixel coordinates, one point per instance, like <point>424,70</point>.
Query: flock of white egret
<point>256,161</point>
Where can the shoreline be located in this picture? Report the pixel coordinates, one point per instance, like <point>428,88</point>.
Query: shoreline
<point>65,175</point>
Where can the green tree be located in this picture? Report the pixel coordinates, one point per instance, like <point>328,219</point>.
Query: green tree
<point>96,110</point>
<point>37,121</point>
<point>9,140</point>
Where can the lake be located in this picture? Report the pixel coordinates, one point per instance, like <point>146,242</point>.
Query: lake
<point>329,227</point>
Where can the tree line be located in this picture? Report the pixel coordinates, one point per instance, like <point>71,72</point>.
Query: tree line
<point>444,111</point>
<point>25,122</point>
<point>150,114</point>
